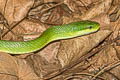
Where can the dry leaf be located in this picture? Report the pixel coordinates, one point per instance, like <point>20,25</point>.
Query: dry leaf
<point>68,55</point>
<point>104,21</point>
<point>15,10</point>
<point>71,50</point>
<point>27,29</point>
<point>116,29</point>
<point>38,2</point>
<point>98,9</point>
<point>8,67</point>
<point>118,51</point>
<point>105,57</point>
<point>41,66</point>
<point>75,4</point>
<point>50,52</point>
<point>25,72</point>
<point>49,1</point>
<point>30,27</point>
<point>115,13</point>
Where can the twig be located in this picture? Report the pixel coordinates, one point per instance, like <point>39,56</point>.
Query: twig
<point>5,23</point>
<point>67,78</point>
<point>12,26</point>
<point>84,5</point>
<point>85,57</point>
<point>109,67</point>
<point>45,10</point>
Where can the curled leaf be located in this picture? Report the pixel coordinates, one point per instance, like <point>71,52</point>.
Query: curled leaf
<point>71,50</point>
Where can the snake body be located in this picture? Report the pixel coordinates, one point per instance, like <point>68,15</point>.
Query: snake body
<point>51,34</point>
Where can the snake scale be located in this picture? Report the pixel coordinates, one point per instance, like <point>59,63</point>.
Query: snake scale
<point>53,33</point>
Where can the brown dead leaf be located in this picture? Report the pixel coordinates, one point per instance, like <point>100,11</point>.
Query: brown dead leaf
<point>15,10</point>
<point>50,13</point>
<point>8,67</point>
<point>12,68</point>
<point>74,5</point>
<point>105,57</point>
<point>50,51</point>
<point>116,28</point>
<point>30,27</point>
<point>114,13</point>
<point>38,2</point>
<point>27,29</point>
<point>54,17</point>
<point>25,72</point>
<point>117,51</point>
<point>79,46</point>
<point>41,66</point>
<point>104,21</point>
<point>98,9</point>
<point>48,1</point>
<point>71,50</point>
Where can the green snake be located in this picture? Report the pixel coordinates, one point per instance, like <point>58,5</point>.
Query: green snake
<point>65,31</point>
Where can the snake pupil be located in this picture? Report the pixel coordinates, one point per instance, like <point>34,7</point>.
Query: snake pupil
<point>90,27</point>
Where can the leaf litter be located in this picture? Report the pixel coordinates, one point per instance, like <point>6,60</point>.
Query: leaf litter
<point>94,56</point>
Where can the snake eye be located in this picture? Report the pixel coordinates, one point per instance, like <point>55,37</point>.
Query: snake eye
<point>90,27</point>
